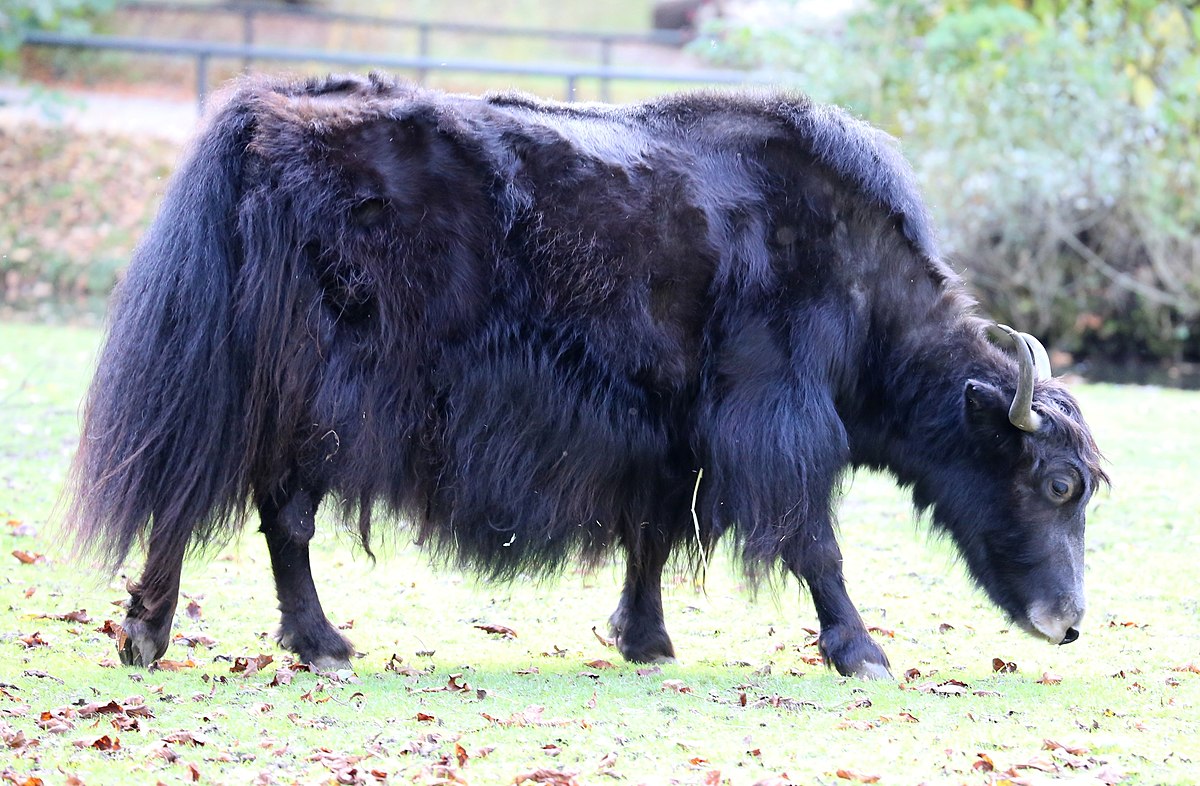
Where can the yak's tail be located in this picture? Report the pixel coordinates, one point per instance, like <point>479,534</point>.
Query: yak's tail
<point>162,441</point>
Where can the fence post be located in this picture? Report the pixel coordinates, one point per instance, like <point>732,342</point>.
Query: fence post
<point>201,80</point>
<point>422,49</point>
<point>247,35</point>
<point>606,45</point>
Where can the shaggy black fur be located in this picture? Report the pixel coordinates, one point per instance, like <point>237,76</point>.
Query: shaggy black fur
<point>524,327</point>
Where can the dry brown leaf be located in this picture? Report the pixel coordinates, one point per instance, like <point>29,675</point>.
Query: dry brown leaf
<point>983,763</point>
<point>859,777</point>
<point>1001,666</point>
<point>32,640</point>
<point>1074,750</point>
<point>499,630</point>
<point>1049,678</point>
<point>547,777</point>
<point>676,685</point>
<point>249,666</point>
<point>29,557</point>
<point>80,616</point>
<point>605,640</point>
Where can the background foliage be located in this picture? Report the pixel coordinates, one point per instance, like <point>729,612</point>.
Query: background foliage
<point>1058,143</point>
<point>70,16</point>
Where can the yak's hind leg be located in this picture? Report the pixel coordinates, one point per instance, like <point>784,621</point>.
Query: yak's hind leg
<point>637,625</point>
<point>288,524</point>
<point>146,630</point>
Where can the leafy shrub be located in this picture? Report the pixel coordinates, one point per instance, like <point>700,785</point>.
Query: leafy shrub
<point>1058,145</point>
<point>20,16</point>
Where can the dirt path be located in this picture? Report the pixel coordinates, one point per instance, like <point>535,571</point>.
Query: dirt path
<point>90,111</point>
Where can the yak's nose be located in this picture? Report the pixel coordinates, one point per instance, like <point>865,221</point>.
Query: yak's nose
<point>1055,620</point>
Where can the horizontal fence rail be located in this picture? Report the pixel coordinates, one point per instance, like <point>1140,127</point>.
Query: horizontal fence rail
<point>203,52</point>
<point>249,12</point>
<point>252,10</point>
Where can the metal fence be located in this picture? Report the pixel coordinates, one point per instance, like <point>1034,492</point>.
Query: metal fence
<point>204,52</point>
<point>425,30</point>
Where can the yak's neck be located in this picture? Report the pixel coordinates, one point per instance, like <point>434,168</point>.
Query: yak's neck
<point>912,417</point>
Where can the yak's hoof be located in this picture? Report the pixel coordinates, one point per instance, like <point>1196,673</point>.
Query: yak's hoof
<point>853,652</point>
<point>641,643</point>
<point>139,645</point>
<point>318,645</point>
<point>872,671</point>
<point>327,663</point>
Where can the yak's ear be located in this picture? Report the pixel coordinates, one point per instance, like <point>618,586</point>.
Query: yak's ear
<point>986,406</point>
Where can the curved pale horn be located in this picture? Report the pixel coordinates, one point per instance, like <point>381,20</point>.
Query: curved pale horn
<point>1041,359</point>
<point>1021,413</point>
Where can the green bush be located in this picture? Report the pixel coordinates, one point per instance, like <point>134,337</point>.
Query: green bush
<point>1058,145</point>
<point>17,17</point>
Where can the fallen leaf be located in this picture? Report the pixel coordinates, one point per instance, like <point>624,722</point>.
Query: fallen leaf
<point>250,665</point>
<point>547,777</point>
<point>1191,667</point>
<point>1002,666</point>
<point>775,780</point>
<point>184,737</point>
<point>945,627</point>
<point>104,743</point>
<point>29,558</point>
<point>194,640</point>
<point>599,664</point>
<point>605,640</point>
<point>396,664</point>
<point>111,629</point>
<point>854,775</point>
<point>676,685</point>
<point>80,616</point>
<point>499,630</point>
<point>1074,750</point>
<point>649,671</point>
<point>891,634</point>
<point>1049,678</point>
<point>912,674</point>
<point>983,763</point>
<point>423,717</point>
<point>173,665</point>
<point>193,611</point>
<point>33,640</point>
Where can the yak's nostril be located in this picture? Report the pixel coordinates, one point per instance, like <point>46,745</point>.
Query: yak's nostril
<point>1072,634</point>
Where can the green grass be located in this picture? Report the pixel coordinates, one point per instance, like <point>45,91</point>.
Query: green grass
<point>1120,701</point>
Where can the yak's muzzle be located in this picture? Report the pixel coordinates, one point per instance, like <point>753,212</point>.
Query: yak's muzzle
<point>1056,621</point>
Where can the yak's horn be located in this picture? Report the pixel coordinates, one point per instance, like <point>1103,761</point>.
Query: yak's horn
<point>1021,413</point>
<point>1041,359</point>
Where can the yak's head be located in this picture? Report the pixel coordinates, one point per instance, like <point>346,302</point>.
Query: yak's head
<point>1014,500</point>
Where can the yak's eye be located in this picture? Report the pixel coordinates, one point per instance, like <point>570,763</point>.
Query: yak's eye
<point>1060,488</point>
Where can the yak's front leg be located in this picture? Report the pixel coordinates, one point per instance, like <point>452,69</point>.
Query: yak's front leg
<point>845,643</point>
<point>146,630</point>
<point>637,625</point>
<point>288,524</point>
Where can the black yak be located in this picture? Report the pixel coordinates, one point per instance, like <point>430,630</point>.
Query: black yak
<point>536,332</point>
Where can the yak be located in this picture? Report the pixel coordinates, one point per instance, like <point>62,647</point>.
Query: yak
<point>534,332</point>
